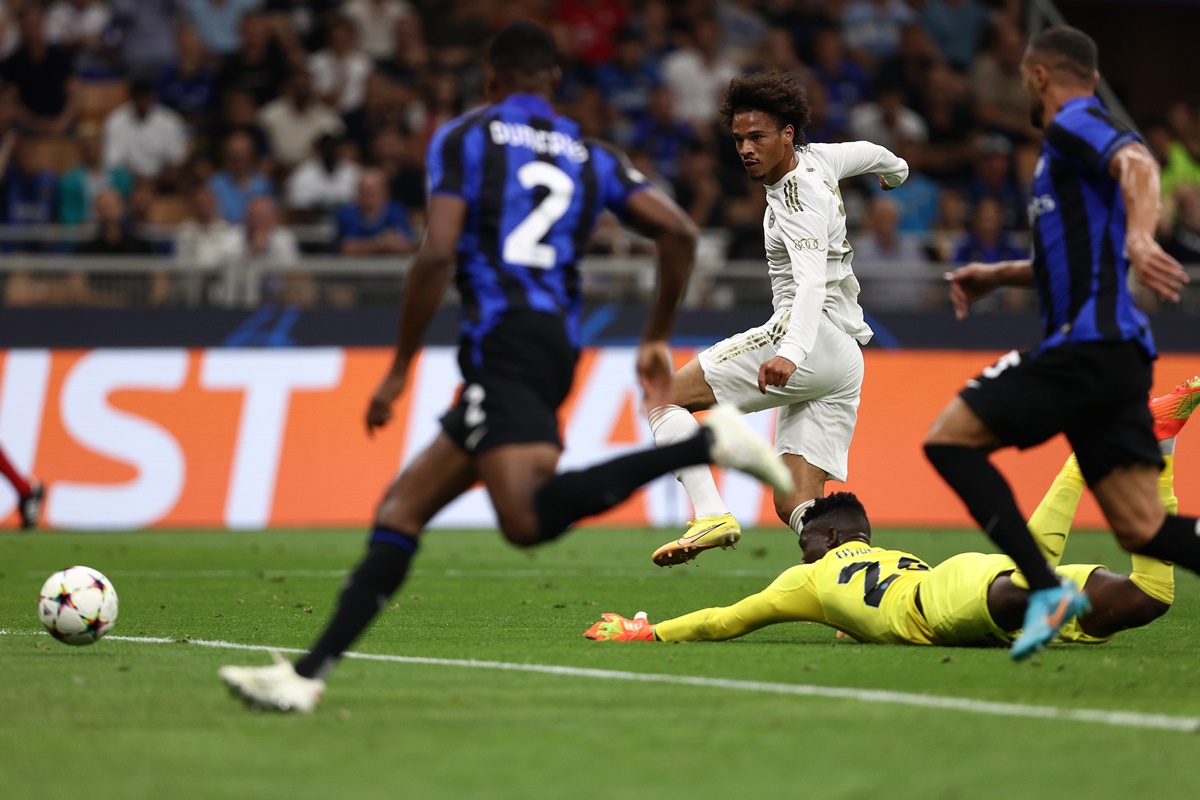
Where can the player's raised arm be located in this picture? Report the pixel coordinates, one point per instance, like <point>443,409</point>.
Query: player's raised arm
<point>850,159</point>
<point>423,291</point>
<point>1138,174</point>
<point>653,214</point>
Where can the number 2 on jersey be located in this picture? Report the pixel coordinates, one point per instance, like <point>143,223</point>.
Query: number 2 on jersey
<point>873,588</point>
<point>524,245</point>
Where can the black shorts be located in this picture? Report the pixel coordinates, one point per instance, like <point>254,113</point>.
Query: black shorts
<point>514,380</point>
<point>1094,392</point>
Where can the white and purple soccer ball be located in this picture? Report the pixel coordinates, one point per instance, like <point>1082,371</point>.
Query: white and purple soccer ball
<point>78,605</point>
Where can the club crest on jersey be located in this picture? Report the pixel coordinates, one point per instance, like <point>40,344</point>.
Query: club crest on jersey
<point>791,197</point>
<point>770,219</point>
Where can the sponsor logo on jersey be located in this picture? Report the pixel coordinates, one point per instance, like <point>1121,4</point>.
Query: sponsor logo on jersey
<point>808,244</point>
<point>1040,204</point>
<point>554,143</point>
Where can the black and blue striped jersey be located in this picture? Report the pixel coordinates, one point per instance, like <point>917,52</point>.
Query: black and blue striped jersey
<point>1077,216</point>
<point>533,189</point>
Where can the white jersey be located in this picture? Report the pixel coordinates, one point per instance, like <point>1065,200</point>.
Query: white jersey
<point>808,254</point>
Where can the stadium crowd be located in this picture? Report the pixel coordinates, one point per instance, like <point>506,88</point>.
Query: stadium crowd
<point>223,125</point>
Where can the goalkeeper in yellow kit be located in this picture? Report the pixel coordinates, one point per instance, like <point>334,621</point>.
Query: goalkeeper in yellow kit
<point>888,596</point>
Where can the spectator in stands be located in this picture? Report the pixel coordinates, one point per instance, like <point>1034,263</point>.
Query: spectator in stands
<point>340,71</point>
<point>1183,154</point>
<point>10,34</point>
<point>844,81</point>
<point>1001,102</point>
<point>146,138</point>
<point>662,135</point>
<point>916,200</point>
<point>30,191</point>
<point>261,246</point>
<point>187,85</point>
<point>205,239</point>
<point>78,26</point>
<point>698,74</point>
<point>296,120</point>
<point>697,187</point>
<point>595,24</point>
<point>375,21</point>
<point>887,121</point>
<point>892,266</point>
<point>871,28</point>
<point>994,180</point>
<point>627,82</point>
<point>219,22</point>
<point>949,227</point>
<point>299,24</point>
<point>375,224</point>
<point>80,184</point>
<point>821,127</point>
<point>957,27</point>
<point>115,236</point>
<point>241,180</point>
<point>653,25</point>
<point>43,75</point>
<point>777,52</point>
<point>239,114</point>
<point>259,66</point>
<point>410,56</point>
<point>987,241</point>
<point>951,124</point>
<point>146,30</point>
<point>915,55</point>
<point>324,182</point>
<point>743,26</point>
<point>402,159</point>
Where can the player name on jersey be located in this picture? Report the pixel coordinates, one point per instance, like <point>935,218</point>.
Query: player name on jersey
<point>552,143</point>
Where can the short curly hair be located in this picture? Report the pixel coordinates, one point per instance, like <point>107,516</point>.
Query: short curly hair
<point>774,93</point>
<point>846,503</point>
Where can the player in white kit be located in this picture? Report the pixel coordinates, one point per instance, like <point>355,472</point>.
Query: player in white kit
<point>805,360</point>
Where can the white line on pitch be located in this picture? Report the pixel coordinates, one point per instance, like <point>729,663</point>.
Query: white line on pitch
<point>1129,719</point>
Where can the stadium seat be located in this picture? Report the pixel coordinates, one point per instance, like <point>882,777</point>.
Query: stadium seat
<point>98,99</point>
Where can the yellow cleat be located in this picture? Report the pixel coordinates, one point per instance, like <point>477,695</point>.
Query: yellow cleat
<point>702,534</point>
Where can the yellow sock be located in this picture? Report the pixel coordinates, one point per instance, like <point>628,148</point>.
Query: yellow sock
<point>1051,522</point>
<point>1154,576</point>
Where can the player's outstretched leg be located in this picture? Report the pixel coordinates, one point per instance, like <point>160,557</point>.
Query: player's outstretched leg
<point>30,492</point>
<point>726,440</point>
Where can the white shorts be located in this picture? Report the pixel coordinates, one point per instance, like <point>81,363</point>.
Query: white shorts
<point>819,406</point>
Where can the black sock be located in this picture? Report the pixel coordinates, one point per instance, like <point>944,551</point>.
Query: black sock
<point>990,500</point>
<point>367,590</point>
<point>570,496</point>
<point>1178,540</point>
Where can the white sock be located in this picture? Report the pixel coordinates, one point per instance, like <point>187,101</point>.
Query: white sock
<point>798,514</point>
<point>671,424</point>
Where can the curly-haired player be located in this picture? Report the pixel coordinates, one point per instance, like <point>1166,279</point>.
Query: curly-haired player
<point>805,360</point>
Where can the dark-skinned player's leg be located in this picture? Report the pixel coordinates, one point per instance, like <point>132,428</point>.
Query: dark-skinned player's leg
<point>437,476</point>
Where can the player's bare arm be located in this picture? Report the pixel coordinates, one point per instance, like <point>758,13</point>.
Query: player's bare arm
<point>653,214</point>
<point>423,292</point>
<point>1138,174</point>
<point>975,281</point>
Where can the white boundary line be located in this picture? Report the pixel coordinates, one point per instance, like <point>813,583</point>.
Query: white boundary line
<point>1128,719</point>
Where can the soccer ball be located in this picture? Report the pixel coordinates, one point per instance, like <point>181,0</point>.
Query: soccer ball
<point>78,605</point>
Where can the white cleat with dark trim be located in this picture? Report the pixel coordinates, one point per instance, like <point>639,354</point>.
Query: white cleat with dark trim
<point>738,447</point>
<point>276,688</point>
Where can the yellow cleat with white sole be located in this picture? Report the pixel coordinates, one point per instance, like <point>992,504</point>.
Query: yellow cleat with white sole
<point>702,534</point>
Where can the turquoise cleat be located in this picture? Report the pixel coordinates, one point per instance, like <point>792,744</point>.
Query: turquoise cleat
<point>1048,611</point>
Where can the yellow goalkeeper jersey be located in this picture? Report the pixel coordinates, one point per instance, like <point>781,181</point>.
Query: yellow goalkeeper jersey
<point>868,592</point>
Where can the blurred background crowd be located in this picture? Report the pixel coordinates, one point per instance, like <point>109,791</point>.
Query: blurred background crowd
<point>214,132</point>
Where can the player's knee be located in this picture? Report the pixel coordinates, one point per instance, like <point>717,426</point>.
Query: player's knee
<point>521,529</point>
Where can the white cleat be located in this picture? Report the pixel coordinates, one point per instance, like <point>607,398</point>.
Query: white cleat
<point>276,688</point>
<point>735,445</point>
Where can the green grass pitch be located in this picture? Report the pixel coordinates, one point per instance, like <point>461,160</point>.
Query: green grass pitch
<point>126,719</point>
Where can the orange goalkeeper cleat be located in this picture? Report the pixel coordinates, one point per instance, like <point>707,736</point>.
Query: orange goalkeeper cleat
<point>1171,411</point>
<point>615,628</point>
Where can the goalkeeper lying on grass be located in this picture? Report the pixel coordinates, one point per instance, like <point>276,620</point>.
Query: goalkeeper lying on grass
<point>887,596</point>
